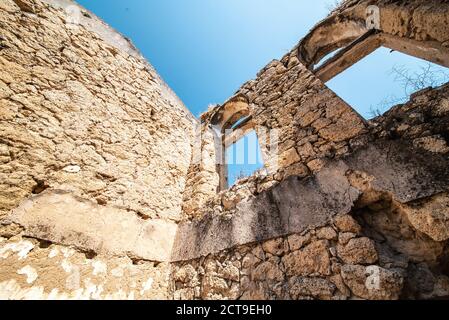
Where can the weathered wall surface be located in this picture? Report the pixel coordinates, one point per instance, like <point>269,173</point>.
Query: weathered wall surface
<point>94,154</point>
<point>31,269</point>
<point>388,241</point>
<point>202,179</point>
<point>312,123</point>
<point>297,203</point>
<point>110,188</point>
<point>369,225</point>
<point>80,115</point>
<point>381,257</point>
<point>415,20</point>
<point>60,217</point>
<point>300,266</point>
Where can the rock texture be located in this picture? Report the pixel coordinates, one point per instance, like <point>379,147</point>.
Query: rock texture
<point>111,189</point>
<point>39,270</point>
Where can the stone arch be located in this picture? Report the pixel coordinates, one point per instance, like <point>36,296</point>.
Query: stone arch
<point>231,122</point>
<point>416,29</point>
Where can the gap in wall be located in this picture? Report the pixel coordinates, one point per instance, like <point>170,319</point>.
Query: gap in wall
<point>243,158</point>
<point>384,79</point>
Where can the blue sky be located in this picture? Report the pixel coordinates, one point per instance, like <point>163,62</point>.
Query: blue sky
<point>206,49</point>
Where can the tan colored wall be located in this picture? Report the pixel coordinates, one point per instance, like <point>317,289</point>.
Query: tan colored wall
<point>80,115</point>
<point>398,159</point>
<point>311,122</point>
<point>32,270</point>
<point>108,185</point>
<point>326,236</point>
<point>202,179</point>
<point>94,149</point>
<point>338,261</point>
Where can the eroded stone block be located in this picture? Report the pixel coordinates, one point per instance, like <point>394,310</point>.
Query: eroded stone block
<point>60,217</point>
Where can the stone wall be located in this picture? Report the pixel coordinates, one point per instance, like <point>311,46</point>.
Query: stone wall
<point>311,121</point>
<point>314,264</point>
<point>416,20</point>
<point>381,258</point>
<point>202,179</point>
<point>94,154</point>
<point>80,115</point>
<point>109,188</point>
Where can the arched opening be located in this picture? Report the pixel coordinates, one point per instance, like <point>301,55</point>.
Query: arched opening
<point>329,56</point>
<point>375,65</point>
<point>327,37</point>
<point>237,145</point>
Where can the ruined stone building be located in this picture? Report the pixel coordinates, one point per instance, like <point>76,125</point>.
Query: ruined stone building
<point>111,189</point>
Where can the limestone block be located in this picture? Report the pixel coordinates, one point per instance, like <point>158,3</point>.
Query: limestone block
<point>346,223</point>
<point>326,233</point>
<point>288,158</point>
<point>268,271</point>
<point>276,247</point>
<point>435,144</point>
<point>297,241</point>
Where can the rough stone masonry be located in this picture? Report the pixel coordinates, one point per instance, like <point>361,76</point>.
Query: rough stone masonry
<point>111,189</point>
